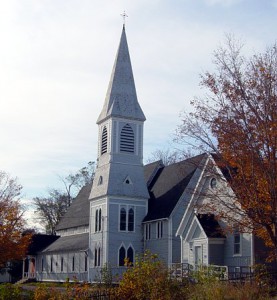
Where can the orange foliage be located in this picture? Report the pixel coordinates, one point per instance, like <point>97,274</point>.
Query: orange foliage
<point>238,121</point>
<point>13,245</point>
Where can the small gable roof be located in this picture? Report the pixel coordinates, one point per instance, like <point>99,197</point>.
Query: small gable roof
<point>210,226</point>
<point>168,185</point>
<point>69,243</point>
<point>78,213</point>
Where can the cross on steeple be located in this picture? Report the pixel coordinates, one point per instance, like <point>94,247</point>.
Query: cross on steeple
<point>124,15</point>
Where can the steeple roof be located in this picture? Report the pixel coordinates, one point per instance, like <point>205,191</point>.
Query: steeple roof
<point>121,98</point>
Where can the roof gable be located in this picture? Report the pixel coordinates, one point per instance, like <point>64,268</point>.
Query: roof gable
<point>168,186</point>
<point>78,213</point>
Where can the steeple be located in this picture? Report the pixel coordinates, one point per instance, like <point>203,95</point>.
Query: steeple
<point>121,98</point>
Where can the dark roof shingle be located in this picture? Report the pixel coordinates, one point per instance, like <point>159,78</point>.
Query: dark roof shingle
<point>78,213</point>
<point>168,186</point>
<point>69,243</point>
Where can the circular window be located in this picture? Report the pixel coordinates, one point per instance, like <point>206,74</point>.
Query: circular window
<point>213,183</point>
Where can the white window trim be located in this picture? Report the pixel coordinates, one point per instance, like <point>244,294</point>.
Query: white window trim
<point>127,208</point>
<point>240,244</point>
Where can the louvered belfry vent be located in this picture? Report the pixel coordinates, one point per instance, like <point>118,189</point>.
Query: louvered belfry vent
<point>104,144</point>
<point>127,139</point>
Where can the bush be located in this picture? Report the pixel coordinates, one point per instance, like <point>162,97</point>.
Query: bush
<point>148,279</point>
<point>10,291</point>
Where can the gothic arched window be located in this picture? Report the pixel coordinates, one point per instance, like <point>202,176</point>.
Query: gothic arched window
<point>123,219</point>
<point>122,255</point>
<point>104,144</point>
<point>130,255</point>
<point>131,219</point>
<point>127,139</point>
<point>97,257</point>
<point>99,219</point>
<point>96,220</point>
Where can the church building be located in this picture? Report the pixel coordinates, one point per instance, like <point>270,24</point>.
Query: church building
<point>131,207</point>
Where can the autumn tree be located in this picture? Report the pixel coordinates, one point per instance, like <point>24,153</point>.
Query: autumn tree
<point>168,156</point>
<point>237,119</point>
<point>52,207</point>
<point>13,244</point>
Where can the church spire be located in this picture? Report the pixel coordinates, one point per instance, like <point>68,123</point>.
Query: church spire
<point>121,98</point>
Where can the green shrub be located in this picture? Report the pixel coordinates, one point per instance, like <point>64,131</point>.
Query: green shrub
<point>10,291</point>
<point>148,279</point>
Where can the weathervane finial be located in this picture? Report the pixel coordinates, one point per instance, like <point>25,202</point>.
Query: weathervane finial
<point>124,15</point>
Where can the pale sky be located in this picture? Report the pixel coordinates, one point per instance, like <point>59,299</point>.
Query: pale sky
<point>56,58</point>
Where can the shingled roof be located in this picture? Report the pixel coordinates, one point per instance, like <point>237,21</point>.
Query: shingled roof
<point>168,185</point>
<point>70,243</point>
<point>78,213</point>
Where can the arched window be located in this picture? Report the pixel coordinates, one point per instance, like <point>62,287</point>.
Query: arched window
<point>100,181</point>
<point>95,257</point>
<point>131,217</point>
<point>130,255</point>
<point>96,220</point>
<point>104,144</point>
<point>127,139</point>
<point>99,219</point>
<point>99,255</point>
<point>122,255</point>
<point>123,219</point>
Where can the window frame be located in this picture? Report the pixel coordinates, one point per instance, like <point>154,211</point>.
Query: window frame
<point>121,259</point>
<point>98,220</point>
<point>104,140</point>
<point>127,139</point>
<point>129,224</point>
<point>159,228</point>
<point>131,261</point>
<point>147,232</point>
<point>236,243</point>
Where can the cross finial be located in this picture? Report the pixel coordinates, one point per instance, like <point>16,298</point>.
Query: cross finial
<point>124,15</point>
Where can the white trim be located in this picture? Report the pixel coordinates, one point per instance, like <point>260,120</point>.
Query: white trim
<point>191,230</point>
<point>170,241</point>
<point>106,239</point>
<point>186,215</point>
<point>155,220</point>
